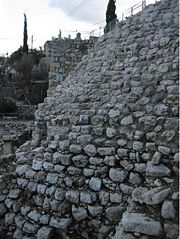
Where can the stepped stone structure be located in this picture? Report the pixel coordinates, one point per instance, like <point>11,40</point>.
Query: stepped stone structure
<point>63,55</point>
<point>103,161</point>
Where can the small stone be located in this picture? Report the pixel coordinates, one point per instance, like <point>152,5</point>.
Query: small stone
<point>60,223</point>
<point>172,230</point>
<point>106,151</point>
<point>122,153</point>
<point>79,213</point>
<point>14,193</point>
<point>137,222</point>
<point>156,158</point>
<point>110,160</point>
<point>59,194</point>
<point>9,218</point>
<point>3,210</point>
<point>126,189</point>
<point>134,178</point>
<point>72,196</point>
<point>95,210</point>
<point>161,109</point>
<point>30,228</point>
<point>88,172</point>
<point>80,161</point>
<point>122,142</point>
<point>104,197</point>
<point>85,197</point>
<point>75,148</point>
<point>95,161</point>
<point>168,210</point>
<point>48,166</point>
<point>52,178</point>
<point>111,132</point>
<point>34,215</point>
<point>137,145</point>
<point>127,120</point>
<point>116,197</point>
<point>44,233</point>
<point>37,165</point>
<point>114,213</point>
<point>18,234</point>
<point>117,175</point>
<point>95,184</point>
<point>44,219</point>
<point>164,150</point>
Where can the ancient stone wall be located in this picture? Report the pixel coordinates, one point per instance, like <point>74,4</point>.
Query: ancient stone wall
<point>64,54</point>
<point>103,161</point>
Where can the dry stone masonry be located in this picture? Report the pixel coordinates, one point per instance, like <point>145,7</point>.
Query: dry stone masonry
<point>103,161</point>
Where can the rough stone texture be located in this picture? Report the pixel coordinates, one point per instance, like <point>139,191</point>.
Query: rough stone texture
<point>137,222</point>
<point>106,139</point>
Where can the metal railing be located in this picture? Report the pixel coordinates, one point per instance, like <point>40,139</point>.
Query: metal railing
<point>136,8</point>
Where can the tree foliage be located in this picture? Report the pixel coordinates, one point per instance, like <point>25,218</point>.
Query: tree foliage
<point>25,39</point>
<point>110,13</point>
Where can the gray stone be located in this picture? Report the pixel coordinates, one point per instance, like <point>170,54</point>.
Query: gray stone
<point>14,193</point>
<point>106,151</point>
<point>122,153</point>
<point>44,233</point>
<point>135,178</point>
<point>90,150</point>
<point>127,120</point>
<point>3,210</point>
<point>37,165</point>
<point>139,167</point>
<point>114,213</point>
<point>18,234</point>
<point>88,172</point>
<point>58,168</point>
<point>117,175</point>
<point>75,148</point>
<point>84,139</point>
<point>80,161</point>
<point>48,166</point>
<point>168,210</point>
<point>151,197</point>
<point>34,215</point>
<point>122,142</point>
<point>161,109</point>
<point>72,196</point>
<point>95,210</point>
<point>111,132</point>
<point>137,222</point>
<point>44,219</point>
<point>52,178</point>
<point>41,188</point>
<point>22,169</point>
<point>156,158</point>
<point>121,234</point>
<point>95,184</point>
<point>164,150</point>
<point>79,213</point>
<point>126,189</point>
<point>157,170</point>
<point>116,197</point>
<point>86,197</point>
<point>74,170</point>
<point>172,230</point>
<point>60,223</point>
<point>95,161</point>
<point>59,194</point>
<point>137,145</point>
<point>9,218</point>
<point>30,228</point>
<point>64,145</point>
<point>104,197</point>
<point>110,160</point>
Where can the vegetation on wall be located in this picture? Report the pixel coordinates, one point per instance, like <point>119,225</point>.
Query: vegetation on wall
<point>7,106</point>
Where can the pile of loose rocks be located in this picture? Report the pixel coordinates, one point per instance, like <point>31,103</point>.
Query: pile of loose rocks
<point>103,161</point>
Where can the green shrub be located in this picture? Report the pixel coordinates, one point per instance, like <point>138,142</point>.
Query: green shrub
<point>7,106</point>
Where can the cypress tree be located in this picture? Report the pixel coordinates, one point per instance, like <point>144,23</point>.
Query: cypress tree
<point>25,45</point>
<point>110,13</point>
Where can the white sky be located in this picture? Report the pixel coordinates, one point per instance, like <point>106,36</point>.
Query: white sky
<point>46,17</point>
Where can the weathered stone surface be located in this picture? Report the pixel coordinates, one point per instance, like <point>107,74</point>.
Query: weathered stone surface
<point>79,213</point>
<point>111,132</point>
<point>151,197</point>
<point>168,210</point>
<point>121,234</point>
<point>157,170</point>
<point>14,193</point>
<point>95,210</point>
<point>106,151</point>
<point>95,161</point>
<point>52,178</point>
<point>95,184</point>
<point>115,213</point>
<point>75,148</point>
<point>60,223</point>
<point>137,222</point>
<point>30,228</point>
<point>172,230</point>
<point>90,150</point>
<point>80,161</point>
<point>44,233</point>
<point>85,197</point>
<point>72,196</point>
<point>34,215</point>
<point>127,120</point>
<point>117,175</point>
